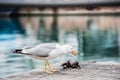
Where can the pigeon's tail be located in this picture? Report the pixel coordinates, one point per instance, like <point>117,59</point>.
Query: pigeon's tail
<point>18,51</point>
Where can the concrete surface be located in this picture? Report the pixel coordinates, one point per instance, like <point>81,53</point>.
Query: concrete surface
<point>89,71</point>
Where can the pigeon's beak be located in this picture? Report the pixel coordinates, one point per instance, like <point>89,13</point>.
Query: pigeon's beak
<point>74,52</point>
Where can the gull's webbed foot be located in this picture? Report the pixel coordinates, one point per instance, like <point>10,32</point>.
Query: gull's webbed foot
<point>54,70</point>
<point>51,69</point>
<point>48,72</point>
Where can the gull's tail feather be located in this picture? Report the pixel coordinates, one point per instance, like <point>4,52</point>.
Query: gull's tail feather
<point>18,51</point>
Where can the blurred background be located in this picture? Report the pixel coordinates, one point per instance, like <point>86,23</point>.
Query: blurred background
<point>93,31</point>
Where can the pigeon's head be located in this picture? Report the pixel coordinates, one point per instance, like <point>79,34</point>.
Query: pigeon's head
<point>70,49</point>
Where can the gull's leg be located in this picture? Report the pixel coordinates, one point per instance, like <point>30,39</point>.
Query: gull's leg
<point>46,68</point>
<point>51,69</point>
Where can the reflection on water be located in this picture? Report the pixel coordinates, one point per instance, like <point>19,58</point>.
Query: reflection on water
<point>96,38</point>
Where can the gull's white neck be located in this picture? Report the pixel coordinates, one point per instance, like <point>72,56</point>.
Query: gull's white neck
<point>61,47</point>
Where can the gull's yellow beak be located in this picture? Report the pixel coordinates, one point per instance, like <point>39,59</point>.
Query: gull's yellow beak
<point>74,52</point>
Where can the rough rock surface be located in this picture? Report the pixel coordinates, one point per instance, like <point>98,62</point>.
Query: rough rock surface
<point>89,71</point>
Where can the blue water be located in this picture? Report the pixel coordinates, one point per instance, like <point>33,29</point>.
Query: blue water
<point>96,38</point>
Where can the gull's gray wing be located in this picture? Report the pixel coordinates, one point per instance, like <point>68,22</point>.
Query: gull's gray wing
<point>41,50</point>
<point>47,45</point>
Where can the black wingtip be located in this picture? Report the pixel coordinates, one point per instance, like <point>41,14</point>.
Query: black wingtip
<point>17,51</point>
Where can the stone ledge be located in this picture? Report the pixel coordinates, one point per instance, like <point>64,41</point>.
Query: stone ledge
<point>89,71</point>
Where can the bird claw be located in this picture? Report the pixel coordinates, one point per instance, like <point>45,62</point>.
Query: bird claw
<point>48,72</point>
<point>54,70</point>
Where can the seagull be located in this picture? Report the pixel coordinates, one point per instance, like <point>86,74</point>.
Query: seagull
<point>46,51</point>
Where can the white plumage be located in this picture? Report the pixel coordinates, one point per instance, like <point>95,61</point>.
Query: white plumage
<point>46,51</point>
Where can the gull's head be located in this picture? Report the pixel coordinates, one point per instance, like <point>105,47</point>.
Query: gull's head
<point>70,49</point>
